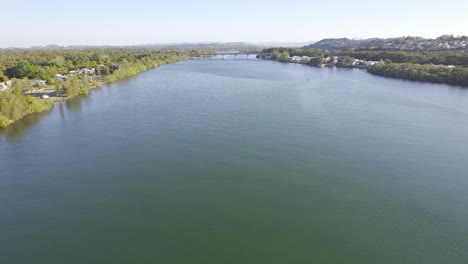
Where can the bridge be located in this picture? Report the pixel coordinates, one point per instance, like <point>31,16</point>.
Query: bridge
<point>232,53</point>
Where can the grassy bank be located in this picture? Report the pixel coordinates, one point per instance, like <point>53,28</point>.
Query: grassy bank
<point>425,73</point>
<point>14,105</point>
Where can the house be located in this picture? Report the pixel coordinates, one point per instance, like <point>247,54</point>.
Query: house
<point>61,77</point>
<point>88,71</point>
<point>300,59</point>
<point>83,71</point>
<point>333,59</point>
<point>369,63</point>
<point>357,62</point>
<point>44,96</point>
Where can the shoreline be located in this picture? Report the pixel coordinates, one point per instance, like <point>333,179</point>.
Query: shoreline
<point>378,73</point>
<point>55,99</point>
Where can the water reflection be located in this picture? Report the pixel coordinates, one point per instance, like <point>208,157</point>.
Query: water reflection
<point>59,105</point>
<point>21,126</point>
<point>74,104</point>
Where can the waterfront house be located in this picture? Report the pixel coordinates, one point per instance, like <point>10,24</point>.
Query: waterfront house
<point>61,77</point>
<point>369,63</point>
<point>91,71</point>
<point>88,71</point>
<point>300,59</point>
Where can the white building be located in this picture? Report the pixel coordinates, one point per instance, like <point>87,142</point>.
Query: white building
<point>369,63</point>
<point>83,71</point>
<point>300,59</point>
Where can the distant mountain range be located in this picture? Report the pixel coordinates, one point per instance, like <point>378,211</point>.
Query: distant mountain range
<point>272,44</point>
<point>211,45</point>
<point>445,42</point>
<point>184,45</point>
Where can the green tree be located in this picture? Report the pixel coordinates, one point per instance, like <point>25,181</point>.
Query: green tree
<point>20,86</point>
<point>316,61</point>
<point>58,87</point>
<point>345,61</point>
<point>284,57</point>
<point>3,77</point>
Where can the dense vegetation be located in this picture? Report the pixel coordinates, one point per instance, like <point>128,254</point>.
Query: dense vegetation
<point>417,72</point>
<point>44,64</point>
<point>298,52</point>
<point>410,65</point>
<point>426,57</point>
<point>282,56</point>
<point>419,57</point>
<point>109,65</point>
<point>14,105</point>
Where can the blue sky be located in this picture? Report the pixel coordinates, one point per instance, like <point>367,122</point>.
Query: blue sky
<point>29,23</point>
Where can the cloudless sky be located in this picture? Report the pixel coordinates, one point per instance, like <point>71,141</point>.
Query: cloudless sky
<point>85,22</point>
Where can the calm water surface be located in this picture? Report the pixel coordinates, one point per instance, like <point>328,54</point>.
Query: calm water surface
<point>240,162</point>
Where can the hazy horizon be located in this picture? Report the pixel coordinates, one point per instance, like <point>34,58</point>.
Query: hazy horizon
<point>260,44</point>
<point>154,22</point>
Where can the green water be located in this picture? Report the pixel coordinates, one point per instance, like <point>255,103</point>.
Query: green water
<point>240,162</point>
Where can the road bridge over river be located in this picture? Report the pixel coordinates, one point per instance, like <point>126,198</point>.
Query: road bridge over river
<point>236,54</point>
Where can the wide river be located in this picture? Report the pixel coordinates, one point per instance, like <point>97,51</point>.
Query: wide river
<point>240,162</point>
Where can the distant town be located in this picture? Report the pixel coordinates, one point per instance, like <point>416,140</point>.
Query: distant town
<point>445,42</point>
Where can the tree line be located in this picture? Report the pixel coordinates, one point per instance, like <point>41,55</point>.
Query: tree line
<point>416,57</point>
<point>410,65</point>
<point>44,64</point>
<point>418,72</point>
<point>397,56</point>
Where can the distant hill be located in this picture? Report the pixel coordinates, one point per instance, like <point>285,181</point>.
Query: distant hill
<point>271,44</point>
<point>211,45</point>
<point>445,42</point>
<point>48,47</point>
<point>214,45</point>
<point>334,44</point>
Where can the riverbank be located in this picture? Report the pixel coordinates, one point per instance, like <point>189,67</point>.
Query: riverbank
<point>443,67</point>
<point>14,105</point>
<point>424,73</point>
<point>407,71</point>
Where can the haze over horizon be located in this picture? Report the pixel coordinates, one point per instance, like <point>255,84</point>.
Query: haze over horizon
<point>154,22</point>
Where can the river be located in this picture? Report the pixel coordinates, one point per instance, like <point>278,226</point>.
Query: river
<point>248,161</point>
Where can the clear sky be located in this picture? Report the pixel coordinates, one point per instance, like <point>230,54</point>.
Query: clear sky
<point>29,22</point>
